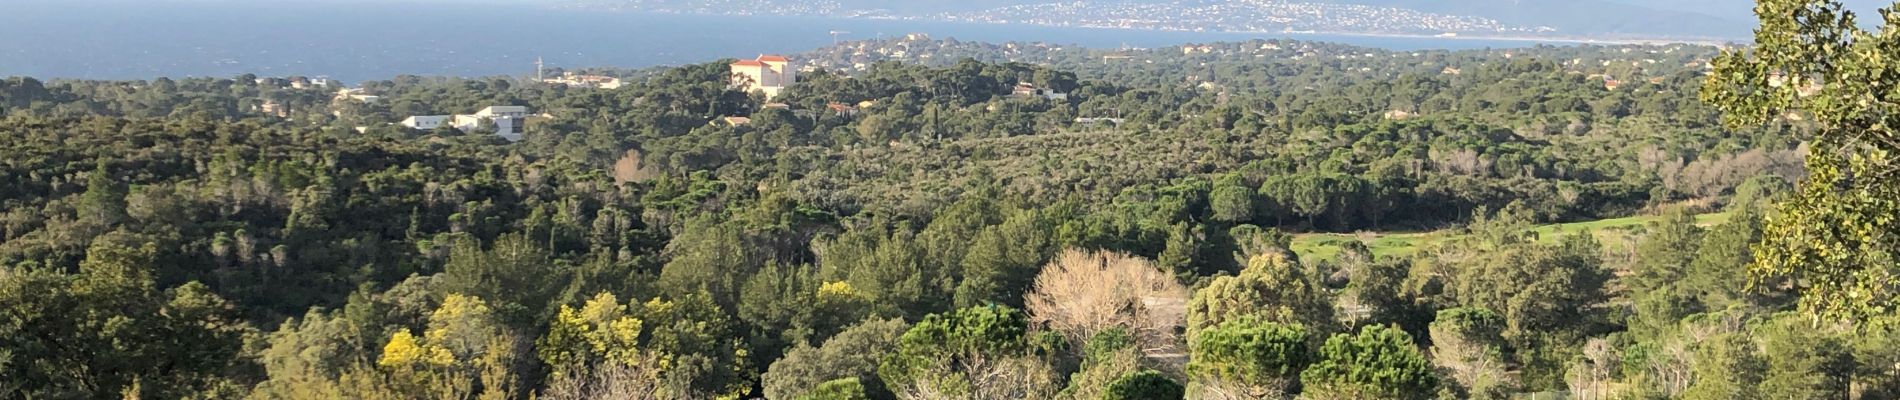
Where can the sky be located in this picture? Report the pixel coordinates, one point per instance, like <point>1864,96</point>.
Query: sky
<point>1744,8</point>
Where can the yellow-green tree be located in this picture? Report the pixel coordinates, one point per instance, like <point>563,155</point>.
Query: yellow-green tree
<point>1273,288</point>
<point>686,346</point>
<point>464,353</point>
<point>601,330</point>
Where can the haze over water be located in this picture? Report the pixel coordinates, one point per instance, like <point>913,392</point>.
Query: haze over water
<point>358,41</point>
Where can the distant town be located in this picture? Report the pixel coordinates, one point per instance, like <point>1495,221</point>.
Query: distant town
<point>1229,16</point>
<point>769,75</point>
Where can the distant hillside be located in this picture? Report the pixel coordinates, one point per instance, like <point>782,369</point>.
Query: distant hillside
<point>1606,19</point>
<point>1600,17</point>
<point>932,6</point>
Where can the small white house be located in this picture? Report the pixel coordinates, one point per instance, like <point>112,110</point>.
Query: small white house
<point>425,122</point>
<point>503,111</point>
<point>508,121</point>
<point>585,81</point>
<point>505,126</point>
<point>357,94</point>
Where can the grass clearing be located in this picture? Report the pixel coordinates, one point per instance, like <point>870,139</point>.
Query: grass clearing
<point>1325,246</point>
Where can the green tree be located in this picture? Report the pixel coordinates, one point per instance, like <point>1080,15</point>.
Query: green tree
<point>889,268</point>
<point>1378,363</point>
<point>972,352</point>
<point>839,389</point>
<point>1185,242</point>
<point>1876,354</point>
<point>1718,275</point>
<point>1273,288</point>
<point>1803,363</point>
<point>1106,357</point>
<point>713,258</point>
<point>1759,192</point>
<point>701,348</point>
<point>1144,385</point>
<point>108,331</point>
<point>1837,233</point>
<point>1003,261</point>
<point>1549,296</point>
<point>1378,288</point>
<point>1232,201</point>
<point>1726,367</point>
<point>104,201</point>
<point>1666,253</point>
<point>520,277</point>
<point>1245,358</point>
<point>852,354</point>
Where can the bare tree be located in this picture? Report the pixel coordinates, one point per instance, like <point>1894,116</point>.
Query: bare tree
<point>978,377</point>
<point>1083,293</point>
<point>1593,376</point>
<point>607,381</point>
<point>1476,366</point>
<point>1217,388</point>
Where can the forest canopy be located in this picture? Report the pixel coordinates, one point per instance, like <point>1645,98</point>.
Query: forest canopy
<point>916,230</point>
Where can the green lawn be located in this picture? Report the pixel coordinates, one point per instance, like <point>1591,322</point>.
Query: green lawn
<point>1325,246</point>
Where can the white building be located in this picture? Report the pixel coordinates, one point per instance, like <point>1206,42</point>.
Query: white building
<point>426,122</point>
<point>503,111</point>
<point>585,81</point>
<point>357,94</point>
<point>508,121</point>
<point>506,127</point>
<point>769,73</point>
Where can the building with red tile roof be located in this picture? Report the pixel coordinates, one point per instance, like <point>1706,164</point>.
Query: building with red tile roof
<point>767,73</point>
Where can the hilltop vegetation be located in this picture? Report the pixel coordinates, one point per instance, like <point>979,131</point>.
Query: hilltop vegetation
<point>933,237</point>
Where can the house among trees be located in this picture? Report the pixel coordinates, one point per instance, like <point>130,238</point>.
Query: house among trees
<point>294,82</point>
<point>841,109</point>
<point>768,73</point>
<point>571,79</point>
<point>506,120</point>
<point>1029,90</point>
<point>274,108</point>
<point>356,94</point>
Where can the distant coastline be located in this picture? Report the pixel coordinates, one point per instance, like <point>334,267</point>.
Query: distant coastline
<point>222,39</point>
<point>1466,36</point>
<point>1660,40</point>
<point>1547,39</point>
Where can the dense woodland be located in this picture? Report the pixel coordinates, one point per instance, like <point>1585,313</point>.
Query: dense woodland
<point>942,239</point>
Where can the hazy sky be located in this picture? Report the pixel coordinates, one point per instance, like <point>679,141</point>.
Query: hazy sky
<point>1728,9</point>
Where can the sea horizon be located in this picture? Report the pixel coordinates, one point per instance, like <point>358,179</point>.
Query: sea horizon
<point>223,39</point>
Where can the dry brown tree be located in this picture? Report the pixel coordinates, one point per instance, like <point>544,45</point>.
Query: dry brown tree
<point>977,377</point>
<point>607,381</point>
<point>1082,293</point>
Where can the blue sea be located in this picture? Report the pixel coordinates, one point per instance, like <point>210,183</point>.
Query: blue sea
<point>353,41</point>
